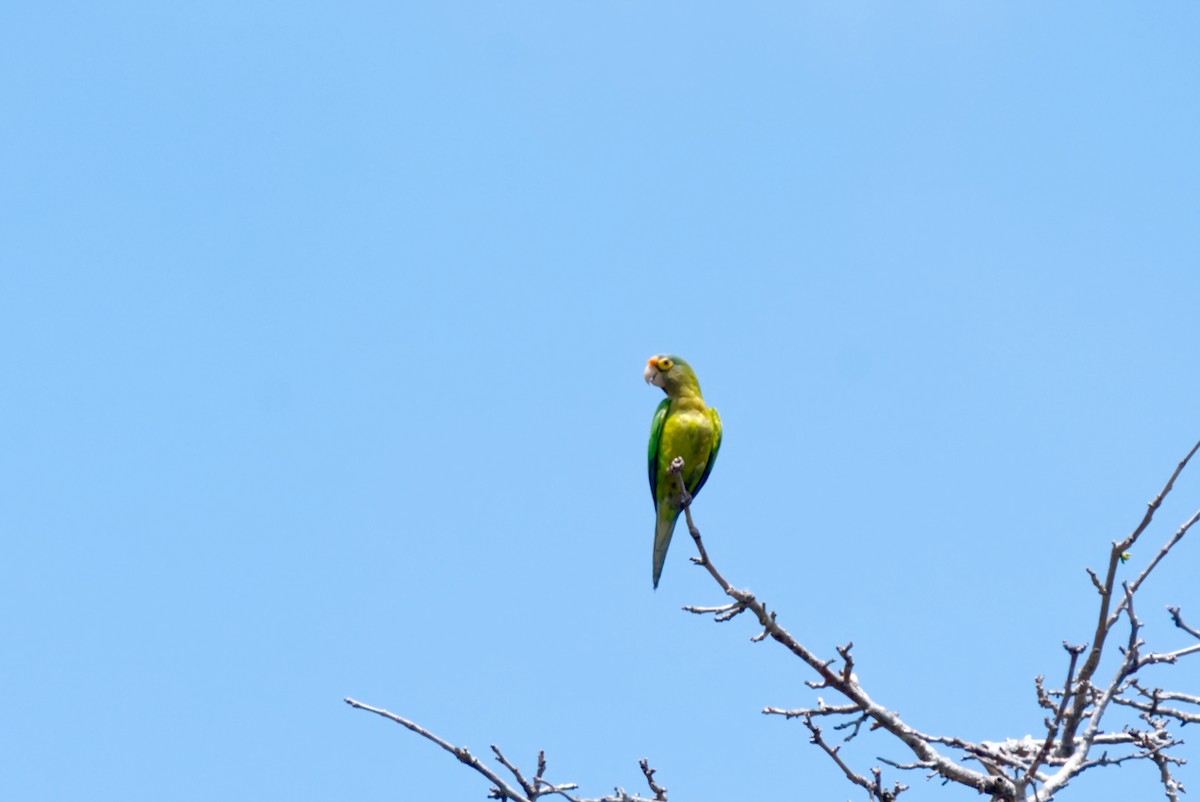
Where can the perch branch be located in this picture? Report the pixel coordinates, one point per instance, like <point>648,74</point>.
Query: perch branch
<point>844,681</point>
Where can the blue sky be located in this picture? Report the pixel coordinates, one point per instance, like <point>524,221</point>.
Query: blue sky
<point>323,328</point>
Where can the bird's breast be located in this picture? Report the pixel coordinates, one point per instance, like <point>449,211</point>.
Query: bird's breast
<point>687,433</point>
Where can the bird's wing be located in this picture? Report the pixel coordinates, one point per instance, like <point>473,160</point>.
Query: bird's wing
<point>656,430</point>
<point>712,456</point>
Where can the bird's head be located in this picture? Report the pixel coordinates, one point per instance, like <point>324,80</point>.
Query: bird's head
<point>670,373</point>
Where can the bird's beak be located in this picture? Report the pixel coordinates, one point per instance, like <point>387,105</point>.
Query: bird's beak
<point>652,375</point>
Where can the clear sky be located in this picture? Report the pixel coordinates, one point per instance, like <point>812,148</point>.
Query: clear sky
<point>323,327</point>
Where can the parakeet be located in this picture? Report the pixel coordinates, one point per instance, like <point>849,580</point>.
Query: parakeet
<point>683,426</point>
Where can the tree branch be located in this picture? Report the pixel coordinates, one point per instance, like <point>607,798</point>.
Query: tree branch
<point>843,682</point>
<point>874,787</point>
<point>501,790</point>
<point>505,790</point>
<point>1104,623</point>
<point>1052,730</point>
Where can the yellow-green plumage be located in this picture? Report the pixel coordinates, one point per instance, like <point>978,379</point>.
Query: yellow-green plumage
<point>683,426</point>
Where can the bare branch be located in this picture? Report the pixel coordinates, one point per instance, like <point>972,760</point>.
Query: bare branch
<point>844,681</point>
<point>1052,730</point>
<point>660,793</point>
<point>721,612</point>
<point>874,787</point>
<point>504,790</point>
<point>1170,657</point>
<point>821,710</point>
<point>1154,706</point>
<point>1153,506</point>
<point>1179,533</point>
<point>545,788</point>
<point>1145,707</point>
<point>856,723</point>
<point>1171,786</point>
<point>1076,759</point>
<point>530,788</point>
<point>1166,695</point>
<point>1177,617</point>
<point>1104,623</point>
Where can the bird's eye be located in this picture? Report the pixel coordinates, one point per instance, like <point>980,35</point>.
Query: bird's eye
<point>665,364</point>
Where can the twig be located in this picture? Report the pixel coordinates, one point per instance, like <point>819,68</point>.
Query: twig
<point>505,790</point>
<point>1166,695</point>
<point>1052,730</point>
<point>660,793</point>
<point>874,787</point>
<point>1177,617</point>
<point>822,710</point>
<point>530,788</point>
<point>856,723</point>
<point>1178,715</point>
<point>1171,786</point>
<point>914,766</point>
<point>541,766</point>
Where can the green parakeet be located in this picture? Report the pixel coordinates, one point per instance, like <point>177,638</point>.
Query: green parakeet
<point>683,426</point>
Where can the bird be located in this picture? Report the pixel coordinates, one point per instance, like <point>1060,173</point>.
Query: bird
<point>683,426</point>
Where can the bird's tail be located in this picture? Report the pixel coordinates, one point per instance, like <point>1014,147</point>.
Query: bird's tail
<point>663,529</point>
